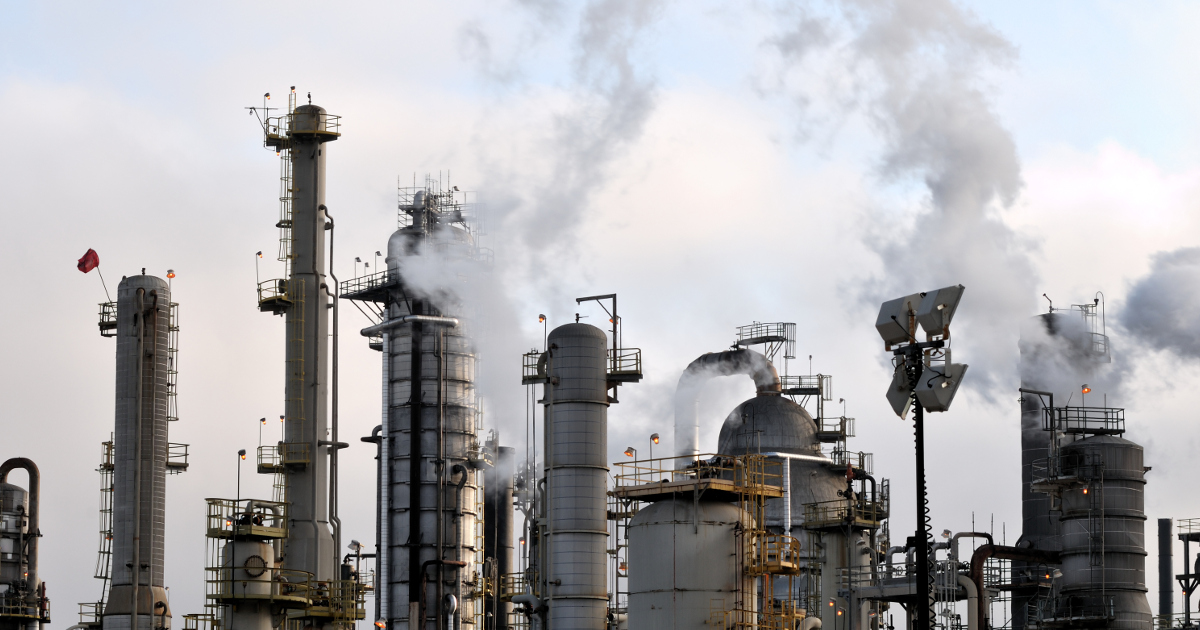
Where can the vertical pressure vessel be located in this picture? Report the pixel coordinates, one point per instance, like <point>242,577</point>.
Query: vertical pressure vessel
<point>140,457</point>
<point>576,529</point>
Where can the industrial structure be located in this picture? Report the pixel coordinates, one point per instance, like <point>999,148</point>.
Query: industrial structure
<point>777,525</point>
<point>23,601</point>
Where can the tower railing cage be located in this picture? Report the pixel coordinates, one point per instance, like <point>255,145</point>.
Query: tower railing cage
<point>1084,420</point>
<point>246,517</point>
<point>32,607</point>
<point>624,362</point>
<point>461,206</point>
<point>746,473</point>
<point>841,458</point>
<point>1058,611</point>
<point>108,319</point>
<point>177,457</point>
<point>1067,468</point>
<point>90,613</point>
<point>775,336</point>
<point>370,282</point>
<point>808,385</point>
<point>289,587</point>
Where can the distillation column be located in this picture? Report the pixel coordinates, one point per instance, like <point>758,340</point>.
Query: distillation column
<point>575,535</point>
<point>430,484</point>
<point>310,545</point>
<point>140,458</point>
<point>23,603</point>
<point>498,541</point>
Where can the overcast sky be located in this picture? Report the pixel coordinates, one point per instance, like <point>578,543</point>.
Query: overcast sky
<point>712,163</point>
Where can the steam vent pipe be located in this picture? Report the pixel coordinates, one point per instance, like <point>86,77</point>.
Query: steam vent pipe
<point>703,369</point>
<point>140,457</point>
<point>576,465</point>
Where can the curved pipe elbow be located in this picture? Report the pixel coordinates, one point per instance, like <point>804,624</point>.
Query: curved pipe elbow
<point>705,368</point>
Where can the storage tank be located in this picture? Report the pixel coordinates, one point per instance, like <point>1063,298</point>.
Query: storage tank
<point>684,562</point>
<point>1103,535</point>
<point>576,530</point>
<point>140,456</point>
<point>430,429</point>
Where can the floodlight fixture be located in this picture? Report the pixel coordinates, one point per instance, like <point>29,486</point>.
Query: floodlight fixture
<point>899,393</point>
<point>937,309</point>
<point>896,323</point>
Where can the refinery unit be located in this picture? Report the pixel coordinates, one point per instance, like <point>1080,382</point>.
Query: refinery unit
<point>778,525</point>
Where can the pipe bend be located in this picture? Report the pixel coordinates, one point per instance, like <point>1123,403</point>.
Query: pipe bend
<point>449,322</point>
<point>703,369</point>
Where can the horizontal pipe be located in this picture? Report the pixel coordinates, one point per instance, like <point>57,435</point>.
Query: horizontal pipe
<point>450,322</point>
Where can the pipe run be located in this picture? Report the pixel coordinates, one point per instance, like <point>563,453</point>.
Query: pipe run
<point>702,370</point>
<point>1002,552</point>
<point>787,482</point>
<point>449,322</point>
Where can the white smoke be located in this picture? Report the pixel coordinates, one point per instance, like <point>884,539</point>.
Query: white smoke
<point>916,69</point>
<point>1161,309</point>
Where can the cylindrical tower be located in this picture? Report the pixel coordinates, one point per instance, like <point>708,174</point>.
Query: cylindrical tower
<point>1058,355</point>
<point>1103,535</point>
<point>431,432</point>
<point>684,562</point>
<point>140,457</point>
<point>575,530</point>
<point>310,545</point>
<point>23,603</point>
<point>1166,572</point>
<point>498,531</point>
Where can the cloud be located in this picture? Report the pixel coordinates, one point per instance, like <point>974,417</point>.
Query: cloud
<point>1161,307</point>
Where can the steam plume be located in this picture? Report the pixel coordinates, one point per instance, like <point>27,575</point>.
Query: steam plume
<point>1162,307</point>
<point>915,68</point>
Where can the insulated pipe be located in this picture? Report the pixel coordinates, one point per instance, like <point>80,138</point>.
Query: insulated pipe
<point>979,558</point>
<point>383,558</point>
<point>954,541</point>
<point>811,623</point>
<point>703,369</point>
<point>972,601</point>
<point>35,493</point>
<point>333,413</point>
<point>137,463</point>
<point>435,320</point>
<point>787,481</point>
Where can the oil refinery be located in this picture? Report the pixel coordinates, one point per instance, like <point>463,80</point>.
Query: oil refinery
<point>778,524</point>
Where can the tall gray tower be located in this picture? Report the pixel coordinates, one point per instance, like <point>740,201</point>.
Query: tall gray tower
<point>303,298</point>
<point>138,598</point>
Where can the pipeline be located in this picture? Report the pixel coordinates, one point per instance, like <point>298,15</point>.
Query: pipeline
<point>333,417</point>
<point>699,372</point>
<point>1002,552</point>
<point>787,482</point>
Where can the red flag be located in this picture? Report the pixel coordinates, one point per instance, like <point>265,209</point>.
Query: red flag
<point>89,261</point>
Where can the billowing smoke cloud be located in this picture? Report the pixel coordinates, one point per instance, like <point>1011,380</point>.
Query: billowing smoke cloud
<point>1161,309</point>
<point>915,68</point>
<point>534,214</point>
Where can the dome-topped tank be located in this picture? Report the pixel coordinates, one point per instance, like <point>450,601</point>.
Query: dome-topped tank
<point>772,423</point>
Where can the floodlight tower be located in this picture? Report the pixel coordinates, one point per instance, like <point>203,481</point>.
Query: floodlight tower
<point>897,325</point>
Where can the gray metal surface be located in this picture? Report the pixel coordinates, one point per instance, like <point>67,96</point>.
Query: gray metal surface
<point>140,509</point>
<point>310,545</point>
<point>576,526</point>
<point>1166,570</point>
<point>684,562</point>
<point>1103,532</point>
<point>440,359</point>
<point>498,530</point>
<point>698,373</point>
<point>768,423</point>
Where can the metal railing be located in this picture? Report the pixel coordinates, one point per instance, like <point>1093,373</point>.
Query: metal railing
<point>227,517</point>
<point>286,586</point>
<point>274,290</point>
<point>177,457</point>
<point>760,332</point>
<point>368,282</point>
<point>743,470</point>
<point>855,459</point>
<point>1093,420</point>
<point>533,368</point>
<point>808,385</point>
<point>625,361</point>
<point>31,607</point>
<point>513,584</point>
<point>90,613</point>
<point>776,554</point>
<point>108,319</point>
<point>1067,467</point>
<point>341,600</point>
<point>841,426</point>
<point>200,621</point>
<point>860,512</point>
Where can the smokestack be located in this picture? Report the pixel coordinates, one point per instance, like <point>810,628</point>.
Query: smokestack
<point>1166,581</point>
<point>498,527</point>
